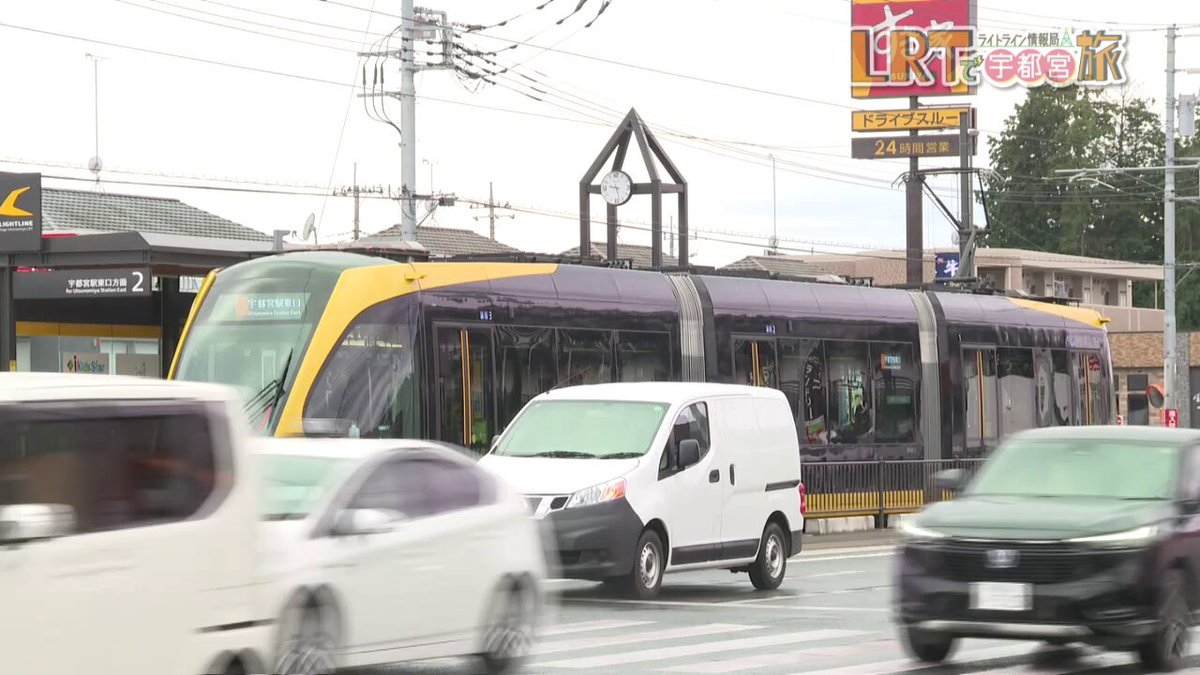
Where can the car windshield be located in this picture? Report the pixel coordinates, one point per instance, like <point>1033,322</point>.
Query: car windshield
<point>583,429</point>
<point>1080,468</point>
<point>295,485</point>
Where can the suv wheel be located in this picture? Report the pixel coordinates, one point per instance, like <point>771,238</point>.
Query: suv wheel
<point>648,564</point>
<point>766,573</point>
<point>926,646</point>
<point>1166,650</point>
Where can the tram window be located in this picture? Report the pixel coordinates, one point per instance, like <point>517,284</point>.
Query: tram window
<point>466,386</point>
<point>979,392</point>
<point>754,362</point>
<point>894,380</point>
<point>1089,399</point>
<point>802,378</point>
<point>851,412</point>
<point>526,365</point>
<point>1061,362</point>
<point>643,357</point>
<point>1017,403</point>
<point>369,379</point>
<point>584,357</point>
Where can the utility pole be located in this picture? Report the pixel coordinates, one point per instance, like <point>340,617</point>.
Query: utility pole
<point>966,223</point>
<point>408,124</point>
<point>914,215</point>
<point>491,216</point>
<point>356,192</point>
<point>429,27</point>
<point>1169,364</point>
<point>95,165</point>
<point>774,212</point>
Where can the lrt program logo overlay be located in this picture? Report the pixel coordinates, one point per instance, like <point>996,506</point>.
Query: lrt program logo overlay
<point>912,48</point>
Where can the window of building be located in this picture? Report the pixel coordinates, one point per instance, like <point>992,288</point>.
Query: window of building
<point>1138,403</point>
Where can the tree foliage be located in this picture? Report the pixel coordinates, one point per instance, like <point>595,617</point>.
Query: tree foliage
<point>1041,202</point>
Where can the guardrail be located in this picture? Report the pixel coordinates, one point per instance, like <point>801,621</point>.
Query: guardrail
<point>879,488</point>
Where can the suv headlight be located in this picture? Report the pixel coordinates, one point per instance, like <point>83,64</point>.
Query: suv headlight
<point>1138,535</point>
<point>598,494</point>
<point>914,531</point>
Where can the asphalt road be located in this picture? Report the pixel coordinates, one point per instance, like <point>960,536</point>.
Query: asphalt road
<point>830,617</point>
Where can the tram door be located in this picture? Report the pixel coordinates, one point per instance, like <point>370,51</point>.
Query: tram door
<point>466,407</point>
<point>754,362</point>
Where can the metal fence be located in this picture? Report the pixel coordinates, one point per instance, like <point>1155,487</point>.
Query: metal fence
<point>880,488</point>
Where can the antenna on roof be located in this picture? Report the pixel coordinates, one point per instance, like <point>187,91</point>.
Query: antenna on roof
<point>310,228</point>
<point>95,165</point>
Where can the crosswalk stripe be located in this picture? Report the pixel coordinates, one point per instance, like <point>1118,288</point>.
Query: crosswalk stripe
<point>664,653</point>
<point>789,658</point>
<point>907,665</point>
<point>585,626</point>
<point>637,637</point>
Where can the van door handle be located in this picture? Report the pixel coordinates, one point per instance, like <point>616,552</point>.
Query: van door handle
<point>732,477</point>
<point>714,476</point>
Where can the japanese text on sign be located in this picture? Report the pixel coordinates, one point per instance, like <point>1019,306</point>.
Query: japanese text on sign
<point>884,147</point>
<point>927,119</point>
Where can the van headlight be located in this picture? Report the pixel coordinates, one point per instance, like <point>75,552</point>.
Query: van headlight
<point>1134,537</point>
<point>598,494</point>
<point>914,531</point>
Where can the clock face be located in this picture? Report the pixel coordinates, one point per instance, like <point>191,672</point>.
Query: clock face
<point>616,188</point>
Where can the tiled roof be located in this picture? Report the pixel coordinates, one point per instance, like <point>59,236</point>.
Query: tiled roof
<point>443,241</point>
<point>640,255</point>
<point>777,264</point>
<point>98,211</point>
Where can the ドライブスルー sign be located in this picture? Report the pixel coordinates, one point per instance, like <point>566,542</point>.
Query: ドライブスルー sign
<point>20,212</point>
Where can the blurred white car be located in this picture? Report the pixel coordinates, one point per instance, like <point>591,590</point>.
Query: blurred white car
<point>396,550</point>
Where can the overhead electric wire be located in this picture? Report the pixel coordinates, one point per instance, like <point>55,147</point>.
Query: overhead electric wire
<point>237,28</point>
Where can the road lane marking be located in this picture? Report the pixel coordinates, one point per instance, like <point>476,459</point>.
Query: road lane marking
<point>804,559</point>
<point>909,665</point>
<point>731,603</point>
<point>680,633</point>
<point>683,651</point>
<point>788,658</point>
<point>584,626</point>
<point>833,574</point>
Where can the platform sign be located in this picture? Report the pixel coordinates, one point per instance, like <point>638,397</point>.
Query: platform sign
<point>891,147</point>
<point>92,283</point>
<point>921,119</point>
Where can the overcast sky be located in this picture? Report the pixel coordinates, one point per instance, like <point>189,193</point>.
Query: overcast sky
<point>163,119</point>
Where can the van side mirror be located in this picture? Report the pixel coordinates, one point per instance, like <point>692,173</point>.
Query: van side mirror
<point>950,479</point>
<point>31,522</point>
<point>689,452</point>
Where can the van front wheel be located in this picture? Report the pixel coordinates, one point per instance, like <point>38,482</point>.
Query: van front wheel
<point>648,563</point>
<point>766,573</point>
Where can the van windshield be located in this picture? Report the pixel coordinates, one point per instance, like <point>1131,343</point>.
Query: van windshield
<point>584,430</point>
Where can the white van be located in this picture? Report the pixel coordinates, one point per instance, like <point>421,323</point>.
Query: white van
<point>128,529</point>
<point>639,479</point>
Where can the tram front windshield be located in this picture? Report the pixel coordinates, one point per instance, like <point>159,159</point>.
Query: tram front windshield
<point>251,333</point>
